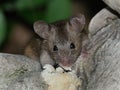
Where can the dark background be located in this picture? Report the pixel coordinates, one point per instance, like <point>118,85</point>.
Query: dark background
<point>17,18</point>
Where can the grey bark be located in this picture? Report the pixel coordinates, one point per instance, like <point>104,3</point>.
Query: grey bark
<point>114,4</point>
<point>105,35</point>
<point>106,42</point>
<point>14,68</point>
<point>107,57</point>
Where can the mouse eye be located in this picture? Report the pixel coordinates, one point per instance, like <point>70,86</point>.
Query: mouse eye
<point>55,48</point>
<point>72,46</point>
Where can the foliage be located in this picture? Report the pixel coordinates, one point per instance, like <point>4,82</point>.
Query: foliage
<point>57,9</point>
<point>32,10</point>
<point>2,27</point>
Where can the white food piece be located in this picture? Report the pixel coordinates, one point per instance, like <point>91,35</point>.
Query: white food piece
<point>49,68</point>
<point>60,80</point>
<point>59,70</point>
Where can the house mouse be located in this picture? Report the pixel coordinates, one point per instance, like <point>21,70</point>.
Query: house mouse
<point>59,43</point>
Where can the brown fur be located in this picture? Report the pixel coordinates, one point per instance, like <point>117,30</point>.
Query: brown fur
<point>60,34</point>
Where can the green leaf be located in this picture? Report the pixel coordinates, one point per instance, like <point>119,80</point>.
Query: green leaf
<point>28,4</point>
<point>2,27</point>
<point>32,16</point>
<point>58,9</point>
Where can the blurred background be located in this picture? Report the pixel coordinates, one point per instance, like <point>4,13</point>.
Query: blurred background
<point>17,18</point>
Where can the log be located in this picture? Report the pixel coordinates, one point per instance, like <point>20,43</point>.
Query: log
<point>106,54</point>
<point>114,4</point>
<point>13,67</point>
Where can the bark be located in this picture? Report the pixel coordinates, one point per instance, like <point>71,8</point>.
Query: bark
<point>106,42</point>
<point>105,37</point>
<point>14,67</point>
<point>114,4</point>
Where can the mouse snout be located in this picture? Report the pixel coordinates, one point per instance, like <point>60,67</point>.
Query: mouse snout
<point>66,61</point>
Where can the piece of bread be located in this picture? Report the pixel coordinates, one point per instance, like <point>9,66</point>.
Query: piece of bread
<point>57,79</point>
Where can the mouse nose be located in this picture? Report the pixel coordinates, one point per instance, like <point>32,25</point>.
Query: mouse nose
<point>66,61</point>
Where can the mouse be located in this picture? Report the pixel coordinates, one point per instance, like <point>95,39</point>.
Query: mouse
<point>57,43</point>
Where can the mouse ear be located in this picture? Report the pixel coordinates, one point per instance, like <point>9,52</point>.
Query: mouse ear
<point>42,29</point>
<point>77,22</point>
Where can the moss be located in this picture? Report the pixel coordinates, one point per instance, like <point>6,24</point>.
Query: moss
<point>18,72</point>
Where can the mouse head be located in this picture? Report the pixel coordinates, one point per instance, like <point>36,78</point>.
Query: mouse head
<point>64,39</point>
